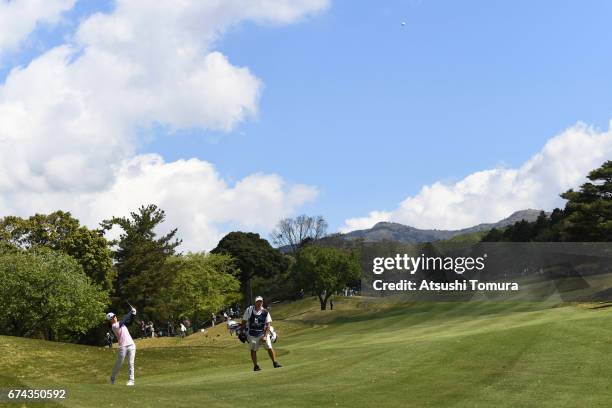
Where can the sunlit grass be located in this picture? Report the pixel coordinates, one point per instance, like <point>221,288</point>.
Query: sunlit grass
<point>363,353</point>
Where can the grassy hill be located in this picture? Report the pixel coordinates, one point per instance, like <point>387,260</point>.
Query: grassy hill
<point>362,354</point>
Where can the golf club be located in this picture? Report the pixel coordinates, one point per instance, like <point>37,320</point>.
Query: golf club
<point>137,320</point>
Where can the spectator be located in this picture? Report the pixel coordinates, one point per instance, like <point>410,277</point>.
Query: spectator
<point>183,331</point>
<point>109,339</point>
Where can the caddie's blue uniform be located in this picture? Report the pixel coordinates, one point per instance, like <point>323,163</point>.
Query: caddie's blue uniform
<point>256,324</point>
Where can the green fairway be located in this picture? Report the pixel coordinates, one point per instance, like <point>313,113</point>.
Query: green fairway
<point>362,354</point>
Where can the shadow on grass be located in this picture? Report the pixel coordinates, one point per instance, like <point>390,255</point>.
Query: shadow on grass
<point>416,313</point>
<point>601,306</point>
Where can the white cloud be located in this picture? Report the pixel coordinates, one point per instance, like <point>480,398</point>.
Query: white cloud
<point>18,18</point>
<point>70,119</point>
<point>197,200</point>
<point>360,223</point>
<point>490,195</point>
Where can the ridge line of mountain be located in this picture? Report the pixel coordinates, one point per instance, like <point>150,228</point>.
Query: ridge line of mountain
<point>403,233</point>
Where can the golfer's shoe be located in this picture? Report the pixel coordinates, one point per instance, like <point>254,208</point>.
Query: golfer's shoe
<point>276,365</point>
<point>112,381</point>
<point>130,383</point>
<point>256,368</point>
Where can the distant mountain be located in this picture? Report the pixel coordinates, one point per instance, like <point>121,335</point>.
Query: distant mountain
<point>391,231</point>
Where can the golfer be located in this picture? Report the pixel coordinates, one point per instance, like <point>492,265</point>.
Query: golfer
<point>256,321</point>
<point>126,344</point>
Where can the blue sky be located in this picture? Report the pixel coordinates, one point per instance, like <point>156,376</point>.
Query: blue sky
<point>369,111</point>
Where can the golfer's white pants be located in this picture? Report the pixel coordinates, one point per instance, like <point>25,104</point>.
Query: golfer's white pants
<point>130,352</point>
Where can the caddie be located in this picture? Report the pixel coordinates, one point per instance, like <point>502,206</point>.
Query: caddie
<point>256,321</point>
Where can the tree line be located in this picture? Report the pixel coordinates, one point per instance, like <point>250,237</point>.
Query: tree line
<point>58,277</point>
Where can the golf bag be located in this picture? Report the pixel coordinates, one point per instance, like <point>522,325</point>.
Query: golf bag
<point>233,327</point>
<point>242,335</point>
<point>237,328</point>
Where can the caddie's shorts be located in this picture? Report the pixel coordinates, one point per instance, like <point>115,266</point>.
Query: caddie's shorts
<point>254,342</point>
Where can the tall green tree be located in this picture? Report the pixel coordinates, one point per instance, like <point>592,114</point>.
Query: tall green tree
<point>589,210</point>
<point>201,284</point>
<point>140,258</point>
<point>521,231</point>
<point>62,232</point>
<point>254,257</point>
<point>325,271</point>
<point>280,286</point>
<point>45,293</point>
<point>541,224</point>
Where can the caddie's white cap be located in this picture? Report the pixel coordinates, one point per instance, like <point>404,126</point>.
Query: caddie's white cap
<point>110,315</point>
<point>258,298</point>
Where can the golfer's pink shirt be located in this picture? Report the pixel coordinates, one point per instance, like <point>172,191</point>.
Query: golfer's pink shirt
<point>123,335</point>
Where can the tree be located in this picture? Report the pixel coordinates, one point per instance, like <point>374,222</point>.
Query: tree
<point>521,231</point>
<point>494,235</point>
<point>140,258</point>
<point>548,230</point>
<point>589,210</point>
<point>62,232</point>
<point>254,257</point>
<point>201,284</point>
<point>281,286</point>
<point>46,293</point>
<point>295,232</point>
<point>553,232</point>
<point>326,270</point>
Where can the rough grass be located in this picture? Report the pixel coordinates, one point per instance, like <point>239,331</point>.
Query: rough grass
<point>364,353</point>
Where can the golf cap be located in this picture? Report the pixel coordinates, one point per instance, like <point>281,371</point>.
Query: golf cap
<point>258,298</point>
<point>110,315</point>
